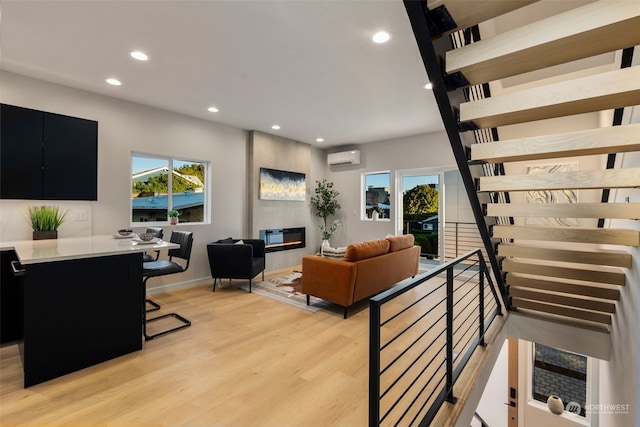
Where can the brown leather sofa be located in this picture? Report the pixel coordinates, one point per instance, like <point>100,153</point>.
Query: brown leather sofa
<point>367,269</point>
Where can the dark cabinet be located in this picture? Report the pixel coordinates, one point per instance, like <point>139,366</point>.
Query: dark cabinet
<point>21,153</point>
<point>47,156</point>
<point>11,302</point>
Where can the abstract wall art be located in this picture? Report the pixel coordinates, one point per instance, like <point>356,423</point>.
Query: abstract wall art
<point>282,185</point>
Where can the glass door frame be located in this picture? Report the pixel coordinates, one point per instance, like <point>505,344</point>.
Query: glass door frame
<point>428,171</point>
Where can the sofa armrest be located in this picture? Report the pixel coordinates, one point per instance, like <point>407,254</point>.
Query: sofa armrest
<point>329,279</point>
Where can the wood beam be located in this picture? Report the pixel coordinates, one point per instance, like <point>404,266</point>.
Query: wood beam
<point>586,31</point>
<point>583,256</point>
<point>601,236</point>
<point>571,301</point>
<point>615,139</point>
<point>604,91</point>
<point>598,274</point>
<point>566,210</point>
<point>605,178</point>
<point>467,13</point>
<point>564,286</point>
<point>591,316</point>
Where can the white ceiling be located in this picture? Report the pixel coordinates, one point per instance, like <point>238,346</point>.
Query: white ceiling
<point>309,66</point>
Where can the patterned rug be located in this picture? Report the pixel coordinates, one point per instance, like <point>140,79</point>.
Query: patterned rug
<point>287,289</point>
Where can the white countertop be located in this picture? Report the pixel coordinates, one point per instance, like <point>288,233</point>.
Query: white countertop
<point>37,251</point>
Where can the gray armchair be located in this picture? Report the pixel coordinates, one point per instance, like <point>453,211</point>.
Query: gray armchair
<point>229,260</point>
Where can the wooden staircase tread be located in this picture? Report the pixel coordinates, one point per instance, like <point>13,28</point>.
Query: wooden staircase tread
<point>615,139</point>
<point>560,299</point>
<point>598,274</point>
<point>582,256</point>
<point>582,32</point>
<point>612,89</point>
<point>565,210</point>
<point>591,179</point>
<point>560,310</point>
<point>622,237</point>
<point>467,13</point>
<point>567,286</point>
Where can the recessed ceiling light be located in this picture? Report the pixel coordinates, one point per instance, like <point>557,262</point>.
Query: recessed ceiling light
<point>381,37</point>
<point>320,140</point>
<point>114,82</point>
<point>428,86</point>
<point>213,109</point>
<point>275,127</point>
<point>140,56</point>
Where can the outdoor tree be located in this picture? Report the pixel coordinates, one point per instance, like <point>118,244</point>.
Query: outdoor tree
<point>421,199</point>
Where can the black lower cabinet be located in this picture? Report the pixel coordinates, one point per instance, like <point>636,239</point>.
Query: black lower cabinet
<point>10,300</point>
<point>79,313</point>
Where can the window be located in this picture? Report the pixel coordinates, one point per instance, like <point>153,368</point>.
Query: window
<point>154,190</point>
<point>560,373</point>
<point>376,195</point>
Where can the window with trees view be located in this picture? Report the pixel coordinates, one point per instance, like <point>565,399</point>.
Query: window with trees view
<point>161,184</point>
<point>376,194</point>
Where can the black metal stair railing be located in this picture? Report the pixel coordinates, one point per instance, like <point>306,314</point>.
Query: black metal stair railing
<point>422,334</point>
<point>423,28</point>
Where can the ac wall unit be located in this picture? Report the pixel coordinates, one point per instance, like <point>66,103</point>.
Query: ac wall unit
<point>343,158</point>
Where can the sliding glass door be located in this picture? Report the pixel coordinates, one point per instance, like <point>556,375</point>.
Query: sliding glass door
<point>419,209</point>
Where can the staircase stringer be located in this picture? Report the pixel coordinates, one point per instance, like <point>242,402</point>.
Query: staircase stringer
<point>427,48</point>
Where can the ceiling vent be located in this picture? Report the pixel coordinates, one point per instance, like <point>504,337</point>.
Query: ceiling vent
<point>344,158</point>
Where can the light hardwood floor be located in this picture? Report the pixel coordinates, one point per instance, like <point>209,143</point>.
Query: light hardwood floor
<point>245,361</point>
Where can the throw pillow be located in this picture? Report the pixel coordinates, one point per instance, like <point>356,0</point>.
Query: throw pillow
<point>239,242</point>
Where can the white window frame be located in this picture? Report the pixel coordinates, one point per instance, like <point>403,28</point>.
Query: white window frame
<point>170,159</point>
<point>363,197</point>
<point>534,410</point>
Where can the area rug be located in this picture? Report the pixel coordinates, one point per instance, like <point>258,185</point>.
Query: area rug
<point>287,289</point>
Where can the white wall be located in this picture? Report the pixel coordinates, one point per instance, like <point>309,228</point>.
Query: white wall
<point>420,151</point>
<point>124,127</point>
<point>619,377</point>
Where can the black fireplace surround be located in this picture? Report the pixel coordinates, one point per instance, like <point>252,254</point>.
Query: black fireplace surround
<point>283,239</point>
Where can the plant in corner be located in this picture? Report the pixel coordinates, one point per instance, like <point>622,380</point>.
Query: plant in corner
<point>45,221</point>
<point>325,203</point>
<point>173,216</point>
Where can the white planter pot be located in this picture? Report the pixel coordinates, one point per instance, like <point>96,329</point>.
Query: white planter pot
<point>325,244</point>
<point>555,405</point>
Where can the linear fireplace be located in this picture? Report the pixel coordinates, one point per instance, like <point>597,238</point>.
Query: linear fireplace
<point>283,239</point>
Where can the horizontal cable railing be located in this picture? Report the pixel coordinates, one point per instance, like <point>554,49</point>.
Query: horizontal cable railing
<point>422,334</point>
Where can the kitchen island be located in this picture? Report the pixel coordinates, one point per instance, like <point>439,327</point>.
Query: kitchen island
<point>82,302</point>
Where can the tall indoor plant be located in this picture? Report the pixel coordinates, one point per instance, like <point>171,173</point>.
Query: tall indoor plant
<point>325,203</point>
<point>45,221</point>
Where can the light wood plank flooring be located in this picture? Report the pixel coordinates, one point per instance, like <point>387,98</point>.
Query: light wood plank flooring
<point>245,361</point>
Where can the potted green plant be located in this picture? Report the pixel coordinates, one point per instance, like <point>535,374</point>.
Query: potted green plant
<point>325,203</point>
<point>173,216</point>
<point>45,221</point>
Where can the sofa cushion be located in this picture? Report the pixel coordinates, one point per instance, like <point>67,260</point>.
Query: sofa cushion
<point>397,243</point>
<point>363,250</point>
<point>227,240</point>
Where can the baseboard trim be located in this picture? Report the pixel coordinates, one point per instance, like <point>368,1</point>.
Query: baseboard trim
<point>178,285</point>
